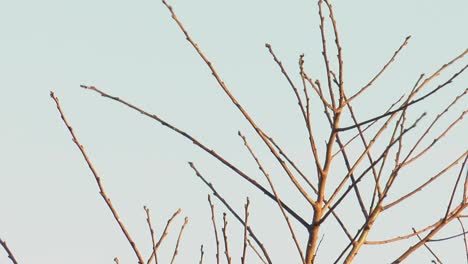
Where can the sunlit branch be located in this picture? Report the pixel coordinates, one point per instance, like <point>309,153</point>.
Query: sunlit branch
<point>213,220</point>
<point>231,210</point>
<point>176,248</point>
<point>272,186</point>
<point>163,235</point>
<point>102,192</point>
<point>198,144</point>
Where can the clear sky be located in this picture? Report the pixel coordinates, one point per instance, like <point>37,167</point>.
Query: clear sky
<point>50,208</point>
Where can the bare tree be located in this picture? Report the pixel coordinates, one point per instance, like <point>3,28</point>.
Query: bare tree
<point>375,152</point>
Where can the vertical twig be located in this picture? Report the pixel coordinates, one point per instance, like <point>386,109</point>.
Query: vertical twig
<point>236,215</point>
<point>205,148</point>
<point>163,235</point>
<point>256,252</point>
<point>272,186</point>
<point>153,242</point>
<point>429,249</point>
<point>226,244</point>
<point>456,185</point>
<point>176,249</point>
<point>246,115</point>
<point>244,250</point>
<point>213,220</point>
<point>202,253</point>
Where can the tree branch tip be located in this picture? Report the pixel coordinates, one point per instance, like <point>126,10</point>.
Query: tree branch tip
<point>268,45</point>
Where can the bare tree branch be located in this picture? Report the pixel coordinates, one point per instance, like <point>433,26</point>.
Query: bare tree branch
<point>8,251</point>
<point>98,181</point>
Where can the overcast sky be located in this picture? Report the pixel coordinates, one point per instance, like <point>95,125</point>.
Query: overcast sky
<point>50,208</point>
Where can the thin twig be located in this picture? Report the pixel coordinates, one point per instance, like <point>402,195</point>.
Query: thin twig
<point>304,109</point>
<point>153,242</point>
<point>98,181</point>
<point>244,248</point>
<point>429,249</point>
<point>202,253</point>
<point>464,238</point>
<point>176,249</point>
<point>163,235</point>
<point>233,212</point>
<point>226,243</point>
<point>406,105</point>
<point>272,186</point>
<point>213,220</point>
<point>200,145</point>
<point>8,251</point>
<point>402,237</point>
<point>454,189</point>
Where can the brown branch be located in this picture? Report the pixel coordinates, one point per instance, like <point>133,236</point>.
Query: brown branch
<point>464,238</point>
<point>153,242</point>
<point>406,105</point>
<point>365,129</point>
<point>304,86</point>
<point>163,235</point>
<point>98,181</point>
<point>429,249</point>
<point>456,185</point>
<point>392,59</point>
<point>244,248</point>
<point>8,251</point>
<point>256,252</point>
<point>213,220</point>
<point>176,249</point>
<point>340,222</point>
<point>339,53</point>
<point>202,253</point>
<point>422,186</point>
<point>226,244</point>
<point>293,164</point>
<point>453,215</point>
<point>407,160</point>
<point>233,212</point>
<point>437,139</point>
<point>318,90</point>
<point>346,160</point>
<point>240,108</point>
<point>272,186</point>
<point>283,71</point>
<point>402,237</point>
<point>200,145</point>
<point>350,187</point>
<point>447,238</point>
<point>325,54</point>
<point>304,110</point>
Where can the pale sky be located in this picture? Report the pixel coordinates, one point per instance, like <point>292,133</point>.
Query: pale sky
<point>50,208</point>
